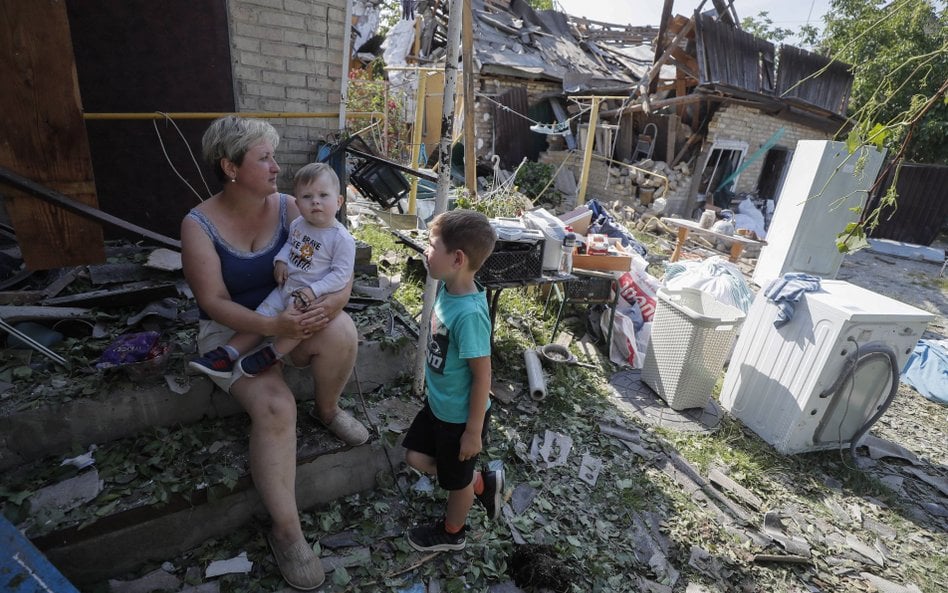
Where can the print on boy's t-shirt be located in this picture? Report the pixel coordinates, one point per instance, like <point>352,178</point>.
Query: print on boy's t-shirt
<point>437,345</point>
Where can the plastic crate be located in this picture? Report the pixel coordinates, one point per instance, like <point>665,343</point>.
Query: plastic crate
<point>692,335</point>
<point>380,183</point>
<point>513,261</point>
<point>589,288</point>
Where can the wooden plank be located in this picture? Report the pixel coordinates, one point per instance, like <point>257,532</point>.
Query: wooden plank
<point>137,293</point>
<point>19,182</point>
<point>45,135</point>
<point>15,314</point>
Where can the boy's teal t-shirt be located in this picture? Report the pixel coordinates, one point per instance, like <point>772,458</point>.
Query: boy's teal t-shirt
<point>460,329</point>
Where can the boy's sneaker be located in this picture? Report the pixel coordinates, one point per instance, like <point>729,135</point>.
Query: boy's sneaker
<point>258,362</point>
<point>216,363</point>
<point>493,495</point>
<point>434,538</point>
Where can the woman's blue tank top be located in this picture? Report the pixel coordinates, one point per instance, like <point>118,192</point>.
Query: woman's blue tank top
<point>248,275</point>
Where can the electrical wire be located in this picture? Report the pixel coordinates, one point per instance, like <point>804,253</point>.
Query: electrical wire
<point>168,118</point>
<point>541,125</point>
<point>365,410</point>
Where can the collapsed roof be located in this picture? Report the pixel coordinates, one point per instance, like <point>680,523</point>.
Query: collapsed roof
<point>510,38</point>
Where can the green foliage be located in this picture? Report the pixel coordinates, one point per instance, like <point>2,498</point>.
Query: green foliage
<point>369,91</point>
<point>533,178</point>
<point>763,26</point>
<point>899,55</point>
<point>541,4</point>
<point>503,204</point>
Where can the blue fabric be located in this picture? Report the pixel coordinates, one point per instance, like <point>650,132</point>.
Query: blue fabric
<point>248,275</point>
<point>926,370</point>
<point>460,329</point>
<point>604,224</point>
<point>785,292</point>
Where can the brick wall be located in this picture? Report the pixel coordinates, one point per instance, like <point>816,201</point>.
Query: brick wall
<point>737,122</point>
<point>288,57</point>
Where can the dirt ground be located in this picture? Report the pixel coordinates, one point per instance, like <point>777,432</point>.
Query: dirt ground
<point>911,281</point>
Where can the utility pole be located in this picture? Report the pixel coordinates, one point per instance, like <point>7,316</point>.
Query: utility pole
<point>444,179</point>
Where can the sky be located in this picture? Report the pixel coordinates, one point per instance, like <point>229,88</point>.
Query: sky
<point>786,14</point>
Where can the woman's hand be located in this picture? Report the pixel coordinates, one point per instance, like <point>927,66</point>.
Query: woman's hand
<point>296,324</point>
<point>326,307</point>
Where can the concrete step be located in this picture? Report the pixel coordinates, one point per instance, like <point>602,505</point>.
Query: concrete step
<point>158,494</point>
<point>65,426</point>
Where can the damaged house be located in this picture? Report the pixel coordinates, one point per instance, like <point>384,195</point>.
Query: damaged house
<point>712,110</point>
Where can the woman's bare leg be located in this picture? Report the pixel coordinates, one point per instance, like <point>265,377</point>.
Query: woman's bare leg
<point>331,355</point>
<point>272,410</point>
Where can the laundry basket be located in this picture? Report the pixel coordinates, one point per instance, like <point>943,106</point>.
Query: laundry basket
<point>692,335</point>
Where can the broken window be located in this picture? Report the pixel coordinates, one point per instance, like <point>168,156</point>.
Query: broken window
<point>718,178</point>
<point>773,172</point>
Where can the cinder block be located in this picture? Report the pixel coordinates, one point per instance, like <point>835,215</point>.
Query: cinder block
<point>280,19</point>
<point>282,50</point>
<point>258,32</point>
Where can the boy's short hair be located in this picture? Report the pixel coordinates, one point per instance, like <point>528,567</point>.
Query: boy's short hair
<point>468,231</point>
<point>230,137</point>
<point>313,171</point>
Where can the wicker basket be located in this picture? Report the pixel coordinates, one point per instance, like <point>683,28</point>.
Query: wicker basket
<point>692,335</point>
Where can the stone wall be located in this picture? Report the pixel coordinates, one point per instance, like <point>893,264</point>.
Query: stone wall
<point>606,184</point>
<point>287,56</point>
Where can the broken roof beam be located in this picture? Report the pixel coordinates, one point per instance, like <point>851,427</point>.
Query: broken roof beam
<point>21,183</point>
<point>653,105</point>
<point>646,81</point>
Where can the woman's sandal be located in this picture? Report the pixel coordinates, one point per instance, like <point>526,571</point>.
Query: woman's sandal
<point>299,565</point>
<point>343,425</point>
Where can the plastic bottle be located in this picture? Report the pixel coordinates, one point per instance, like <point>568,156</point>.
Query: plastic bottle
<point>566,261</point>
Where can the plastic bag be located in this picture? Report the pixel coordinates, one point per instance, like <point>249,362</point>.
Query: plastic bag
<point>716,276</point>
<point>628,346</point>
<point>750,217</point>
<point>129,348</point>
<point>638,286</point>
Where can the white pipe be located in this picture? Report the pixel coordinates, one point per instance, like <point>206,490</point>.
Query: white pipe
<point>534,375</point>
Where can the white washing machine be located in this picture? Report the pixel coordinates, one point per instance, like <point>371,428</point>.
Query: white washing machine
<point>793,386</point>
<point>824,188</point>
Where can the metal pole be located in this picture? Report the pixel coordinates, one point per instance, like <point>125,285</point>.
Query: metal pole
<point>444,179</point>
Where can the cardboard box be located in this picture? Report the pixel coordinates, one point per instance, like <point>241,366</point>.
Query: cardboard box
<point>620,262</point>
<point>579,219</point>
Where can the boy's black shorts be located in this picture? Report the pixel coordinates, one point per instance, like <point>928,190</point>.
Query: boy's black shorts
<point>442,440</point>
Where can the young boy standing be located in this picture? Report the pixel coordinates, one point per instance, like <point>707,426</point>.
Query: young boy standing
<point>317,259</point>
<point>447,434</point>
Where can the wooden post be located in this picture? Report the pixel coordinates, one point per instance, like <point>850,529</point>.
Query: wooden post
<point>44,136</point>
<point>587,151</point>
<point>416,136</point>
<point>416,46</point>
<point>467,62</point>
